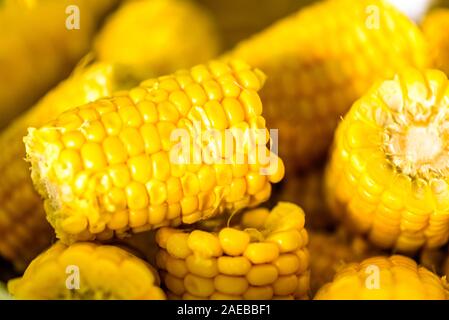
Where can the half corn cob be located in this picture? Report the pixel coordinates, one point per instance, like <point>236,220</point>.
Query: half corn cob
<point>87,271</point>
<point>320,60</point>
<point>38,50</point>
<point>113,166</point>
<point>388,174</point>
<point>330,251</point>
<point>306,190</point>
<point>435,27</point>
<point>264,256</point>
<point>156,37</point>
<point>385,278</point>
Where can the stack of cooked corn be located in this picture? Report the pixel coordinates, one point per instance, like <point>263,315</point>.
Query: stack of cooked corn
<point>152,168</point>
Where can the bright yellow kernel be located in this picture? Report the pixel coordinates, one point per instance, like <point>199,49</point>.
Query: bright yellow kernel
<point>138,218</point>
<point>157,95</point>
<point>174,284</point>
<point>161,166</point>
<point>94,131</point>
<point>115,200</point>
<point>234,110</point>
<point>157,190</point>
<point>114,150</point>
<point>237,190</point>
<point>213,90</point>
<point>190,184</point>
<point>207,177</point>
<point>132,140</point>
<point>255,182</point>
<point>112,123</point>
<point>234,242</point>
<point>174,190</point>
<point>285,285</point>
<point>70,162</point>
<point>199,286</point>
<point>120,175</point>
<point>140,168</point>
<point>151,139</point>
<point>181,102</point>
<point>218,68</point>
<point>189,205</point>
<point>136,196</point>
<point>202,266</point>
<point>239,170</point>
<point>157,214</point>
<point>234,266</point>
<point>223,174</point>
<point>249,80</point>
<point>192,218</point>
<point>162,236</point>
<point>204,243</point>
<point>261,252</point>
<point>177,245</point>
<point>177,267</point>
<point>287,263</point>
<point>229,86</point>
<point>148,111</point>
<point>261,275</point>
<point>165,130</point>
<point>118,220</point>
<point>251,103</point>
<point>73,139</point>
<point>206,200</point>
<point>279,173</point>
<point>286,240</point>
<point>74,224</point>
<point>200,73</point>
<point>88,114</point>
<point>174,211</point>
<point>93,156</point>
<point>169,84</point>
<point>167,112</point>
<point>231,285</point>
<point>255,218</point>
<point>259,293</point>
<point>216,115</point>
<point>137,94</point>
<point>70,121</point>
<point>196,94</point>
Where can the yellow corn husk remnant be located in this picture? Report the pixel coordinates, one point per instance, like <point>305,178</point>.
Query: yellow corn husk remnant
<point>87,271</point>
<point>38,50</point>
<point>156,37</point>
<point>330,251</point>
<point>388,175</point>
<point>435,27</point>
<point>262,257</point>
<point>156,155</point>
<point>384,278</point>
<point>320,61</point>
<point>307,190</point>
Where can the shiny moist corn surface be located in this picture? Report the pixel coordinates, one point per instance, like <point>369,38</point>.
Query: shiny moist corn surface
<point>388,174</point>
<point>113,166</point>
<point>87,271</point>
<point>262,257</point>
<point>384,278</point>
<point>320,60</point>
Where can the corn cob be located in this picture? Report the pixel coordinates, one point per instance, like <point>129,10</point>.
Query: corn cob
<point>330,251</point>
<point>384,278</point>
<point>435,27</point>
<point>306,190</point>
<point>38,50</point>
<point>264,256</point>
<point>113,166</point>
<point>311,83</point>
<point>87,271</point>
<point>387,176</point>
<point>157,37</point>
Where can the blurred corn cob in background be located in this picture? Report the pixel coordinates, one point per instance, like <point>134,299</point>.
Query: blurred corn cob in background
<point>306,190</point>
<point>38,50</point>
<point>22,218</point>
<point>316,70</point>
<point>87,271</point>
<point>386,278</point>
<point>330,251</point>
<point>156,37</point>
<point>263,256</point>
<point>112,166</point>
<point>435,27</point>
<point>388,173</point>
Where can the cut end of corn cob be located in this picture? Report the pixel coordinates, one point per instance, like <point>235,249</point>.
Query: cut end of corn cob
<point>87,271</point>
<point>263,256</point>
<point>156,155</point>
<point>435,27</point>
<point>313,82</point>
<point>388,176</point>
<point>384,278</point>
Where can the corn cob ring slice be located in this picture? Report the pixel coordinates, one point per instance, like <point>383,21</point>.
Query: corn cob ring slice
<point>384,278</point>
<point>87,271</point>
<point>113,166</point>
<point>263,257</point>
<point>388,175</point>
<point>435,26</point>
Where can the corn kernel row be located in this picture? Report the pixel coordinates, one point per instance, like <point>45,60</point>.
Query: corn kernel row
<point>263,257</point>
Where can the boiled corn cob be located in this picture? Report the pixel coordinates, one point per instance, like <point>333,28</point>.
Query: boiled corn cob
<point>156,37</point>
<point>435,27</point>
<point>388,173</point>
<point>112,166</point>
<point>38,50</point>
<point>385,278</point>
<point>264,256</point>
<point>330,251</point>
<point>306,190</point>
<point>322,59</point>
<point>87,271</point>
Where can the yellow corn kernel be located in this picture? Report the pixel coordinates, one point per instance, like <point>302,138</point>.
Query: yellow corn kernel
<point>261,275</point>
<point>230,285</point>
<point>198,286</point>
<point>204,244</point>
<point>202,266</point>
<point>234,242</point>
<point>259,293</point>
<point>262,252</point>
<point>177,245</point>
<point>433,27</point>
<point>234,266</point>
